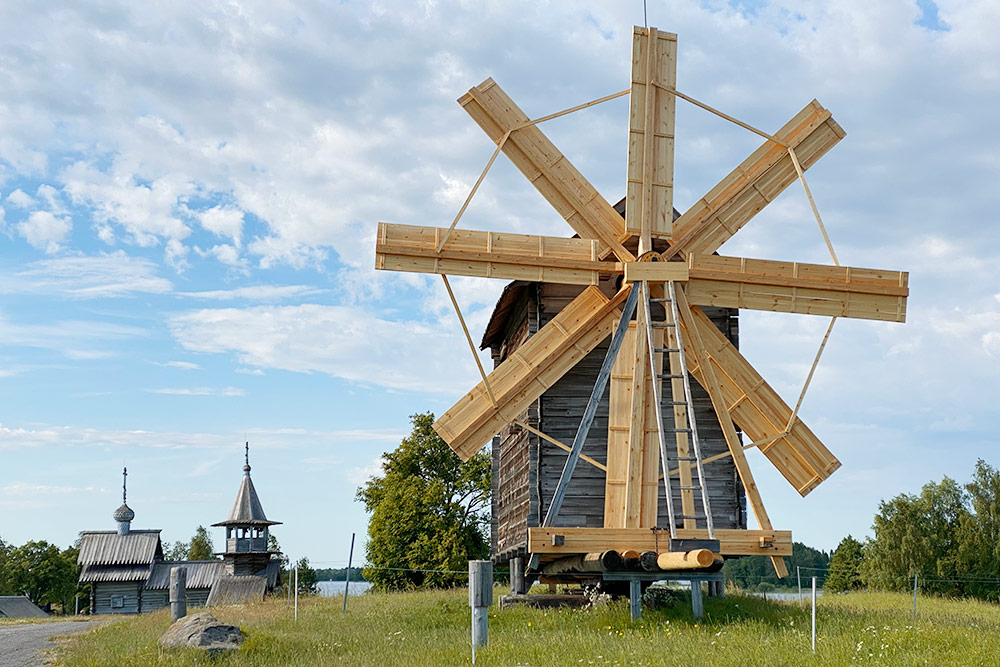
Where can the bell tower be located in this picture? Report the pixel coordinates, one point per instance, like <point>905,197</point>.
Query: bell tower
<point>247,527</point>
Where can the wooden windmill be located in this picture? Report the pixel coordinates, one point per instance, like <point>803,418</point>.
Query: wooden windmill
<point>662,271</point>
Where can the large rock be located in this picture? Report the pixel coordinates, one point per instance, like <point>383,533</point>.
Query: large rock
<point>203,631</point>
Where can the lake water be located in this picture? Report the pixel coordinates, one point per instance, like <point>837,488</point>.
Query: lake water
<point>335,588</point>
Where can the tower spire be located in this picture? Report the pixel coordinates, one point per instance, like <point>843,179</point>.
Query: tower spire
<point>246,457</point>
<point>124,479</point>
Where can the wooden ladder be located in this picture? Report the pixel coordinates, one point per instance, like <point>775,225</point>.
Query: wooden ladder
<point>683,426</point>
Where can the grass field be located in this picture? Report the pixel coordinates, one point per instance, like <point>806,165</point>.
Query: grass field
<point>432,628</point>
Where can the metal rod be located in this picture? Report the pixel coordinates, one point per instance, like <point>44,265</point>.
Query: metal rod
<point>812,202</point>
<point>588,414</point>
<point>296,591</point>
<point>915,596</point>
<point>814,615</point>
<point>644,288</point>
<point>347,578</point>
<point>812,370</point>
<point>468,337</point>
<point>798,577</point>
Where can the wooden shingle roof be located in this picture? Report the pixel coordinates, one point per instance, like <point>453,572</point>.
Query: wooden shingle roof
<point>18,606</point>
<point>200,573</point>
<point>107,547</point>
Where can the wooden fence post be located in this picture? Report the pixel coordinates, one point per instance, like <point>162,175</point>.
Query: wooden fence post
<point>178,593</point>
<point>517,586</point>
<point>480,599</point>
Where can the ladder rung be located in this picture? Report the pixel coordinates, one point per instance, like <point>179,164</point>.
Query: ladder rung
<point>658,300</point>
<point>684,458</point>
<point>678,430</point>
<point>666,349</point>
<point>674,402</point>
<point>692,516</point>
<point>690,488</point>
<point>673,376</point>
<point>662,324</point>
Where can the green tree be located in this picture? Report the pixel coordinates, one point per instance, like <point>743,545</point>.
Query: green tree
<point>918,535</point>
<point>6,585</point>
<point>201,545</point>
<point>429,511</point>
<point>176,550</point>
<point>845,566</point>
<point>978,534</point>
<point>307,578</point>
<point>43,573</point>
<point>757,572</point>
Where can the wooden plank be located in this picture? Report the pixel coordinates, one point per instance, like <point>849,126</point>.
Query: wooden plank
<point>490,255</point>
<point>799,456</point>
<point>631,471</point>
<point>649,191</point>
<point>576,200</point>
<point>637,423</point>
<point>733,542</point>
<point>754,183</point>
<point>660,272</point>
<point>529,371</point>
<point>794,287</point>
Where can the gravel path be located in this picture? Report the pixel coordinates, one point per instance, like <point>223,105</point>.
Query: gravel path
<point>22,645</point>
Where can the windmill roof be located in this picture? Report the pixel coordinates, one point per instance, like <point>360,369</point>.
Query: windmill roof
<point>247,509</point>
<point>237,590</point>
<point>200,573</point>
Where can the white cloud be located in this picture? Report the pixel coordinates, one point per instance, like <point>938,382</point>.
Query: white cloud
<point>45,231</point>
<point>89,276</point>
<point>199,391</point>
<point>20,199</point>
<point>75,339</point>
<point>255,293</point>
<point>360,474</point>
<point>183,365</point>
<point>341,341</point>
<point>223,221</point>
<point>23,489</point>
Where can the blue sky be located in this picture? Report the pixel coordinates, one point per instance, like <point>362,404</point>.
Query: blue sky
<point>188,201</point>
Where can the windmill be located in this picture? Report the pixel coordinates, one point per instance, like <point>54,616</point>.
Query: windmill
<point>663,271</point>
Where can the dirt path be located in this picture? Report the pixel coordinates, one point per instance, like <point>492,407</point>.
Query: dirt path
<point>23,645</point>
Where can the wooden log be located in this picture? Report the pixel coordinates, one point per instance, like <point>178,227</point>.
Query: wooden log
<point>630,559</point>
<point>685,560</point>
<point>647,561</point>
<point>605,561</point>
<point>178,593</point>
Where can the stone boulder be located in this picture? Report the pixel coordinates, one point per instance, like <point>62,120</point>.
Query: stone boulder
<point>203,631</point>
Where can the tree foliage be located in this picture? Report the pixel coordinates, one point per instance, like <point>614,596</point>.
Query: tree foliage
<point>175,550</point>
<point>201,545</point>
<point>308,580</point>
<point>757,572</point>
<point>429,511</point>
<point>43,572</point>
<point>845,566</point>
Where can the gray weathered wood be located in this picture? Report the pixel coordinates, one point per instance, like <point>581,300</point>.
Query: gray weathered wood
<point>635,598</point>
<point>697,603</point>
<point>178,589</point>
<point>480,598</point>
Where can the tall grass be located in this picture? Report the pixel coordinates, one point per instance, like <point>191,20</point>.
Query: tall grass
<point>432,628</point>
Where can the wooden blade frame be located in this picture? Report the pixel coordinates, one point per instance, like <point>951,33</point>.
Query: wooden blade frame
<point>529,371</point>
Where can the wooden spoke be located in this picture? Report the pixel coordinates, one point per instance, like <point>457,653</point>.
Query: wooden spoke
<point>798,455</point>
<point>576,200</point>
<point>490,255</point>
<point>754,183</point>
<point>649,204</point>
<point>790,287</point>
<point>529,371</point>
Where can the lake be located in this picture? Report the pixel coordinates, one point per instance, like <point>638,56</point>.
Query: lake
<point>335,588</point>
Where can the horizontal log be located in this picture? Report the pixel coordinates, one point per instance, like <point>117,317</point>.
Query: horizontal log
<point>606,561</point>
<point>732,541</point>
<point>685,560</point>
<point>656,271</point>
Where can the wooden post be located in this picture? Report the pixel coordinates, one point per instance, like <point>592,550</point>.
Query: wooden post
<point>697,603</point>
<point>480,599</point>
<point>178,590</point>
<point>296,591</point>
<point>517,586</point>
<point>915,596</point>
<point>635,598</point>
<point>347,579</point>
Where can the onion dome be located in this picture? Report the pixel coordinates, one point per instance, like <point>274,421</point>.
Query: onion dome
<point>124,513</point>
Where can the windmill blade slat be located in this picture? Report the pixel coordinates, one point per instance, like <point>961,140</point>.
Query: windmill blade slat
<point>757,409</point>
<point>576,200</point>
<point>791,287</point>
<point>649,200</point>
<point>755,182</point>
<point>479,254</point>
<point>529,371</point>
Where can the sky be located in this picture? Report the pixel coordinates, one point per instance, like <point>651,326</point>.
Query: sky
<point>189,194</point>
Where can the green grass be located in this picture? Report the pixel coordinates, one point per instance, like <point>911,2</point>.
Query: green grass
<point>432,628</point>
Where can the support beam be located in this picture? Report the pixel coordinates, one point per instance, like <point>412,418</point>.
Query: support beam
<point>732,541</point>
